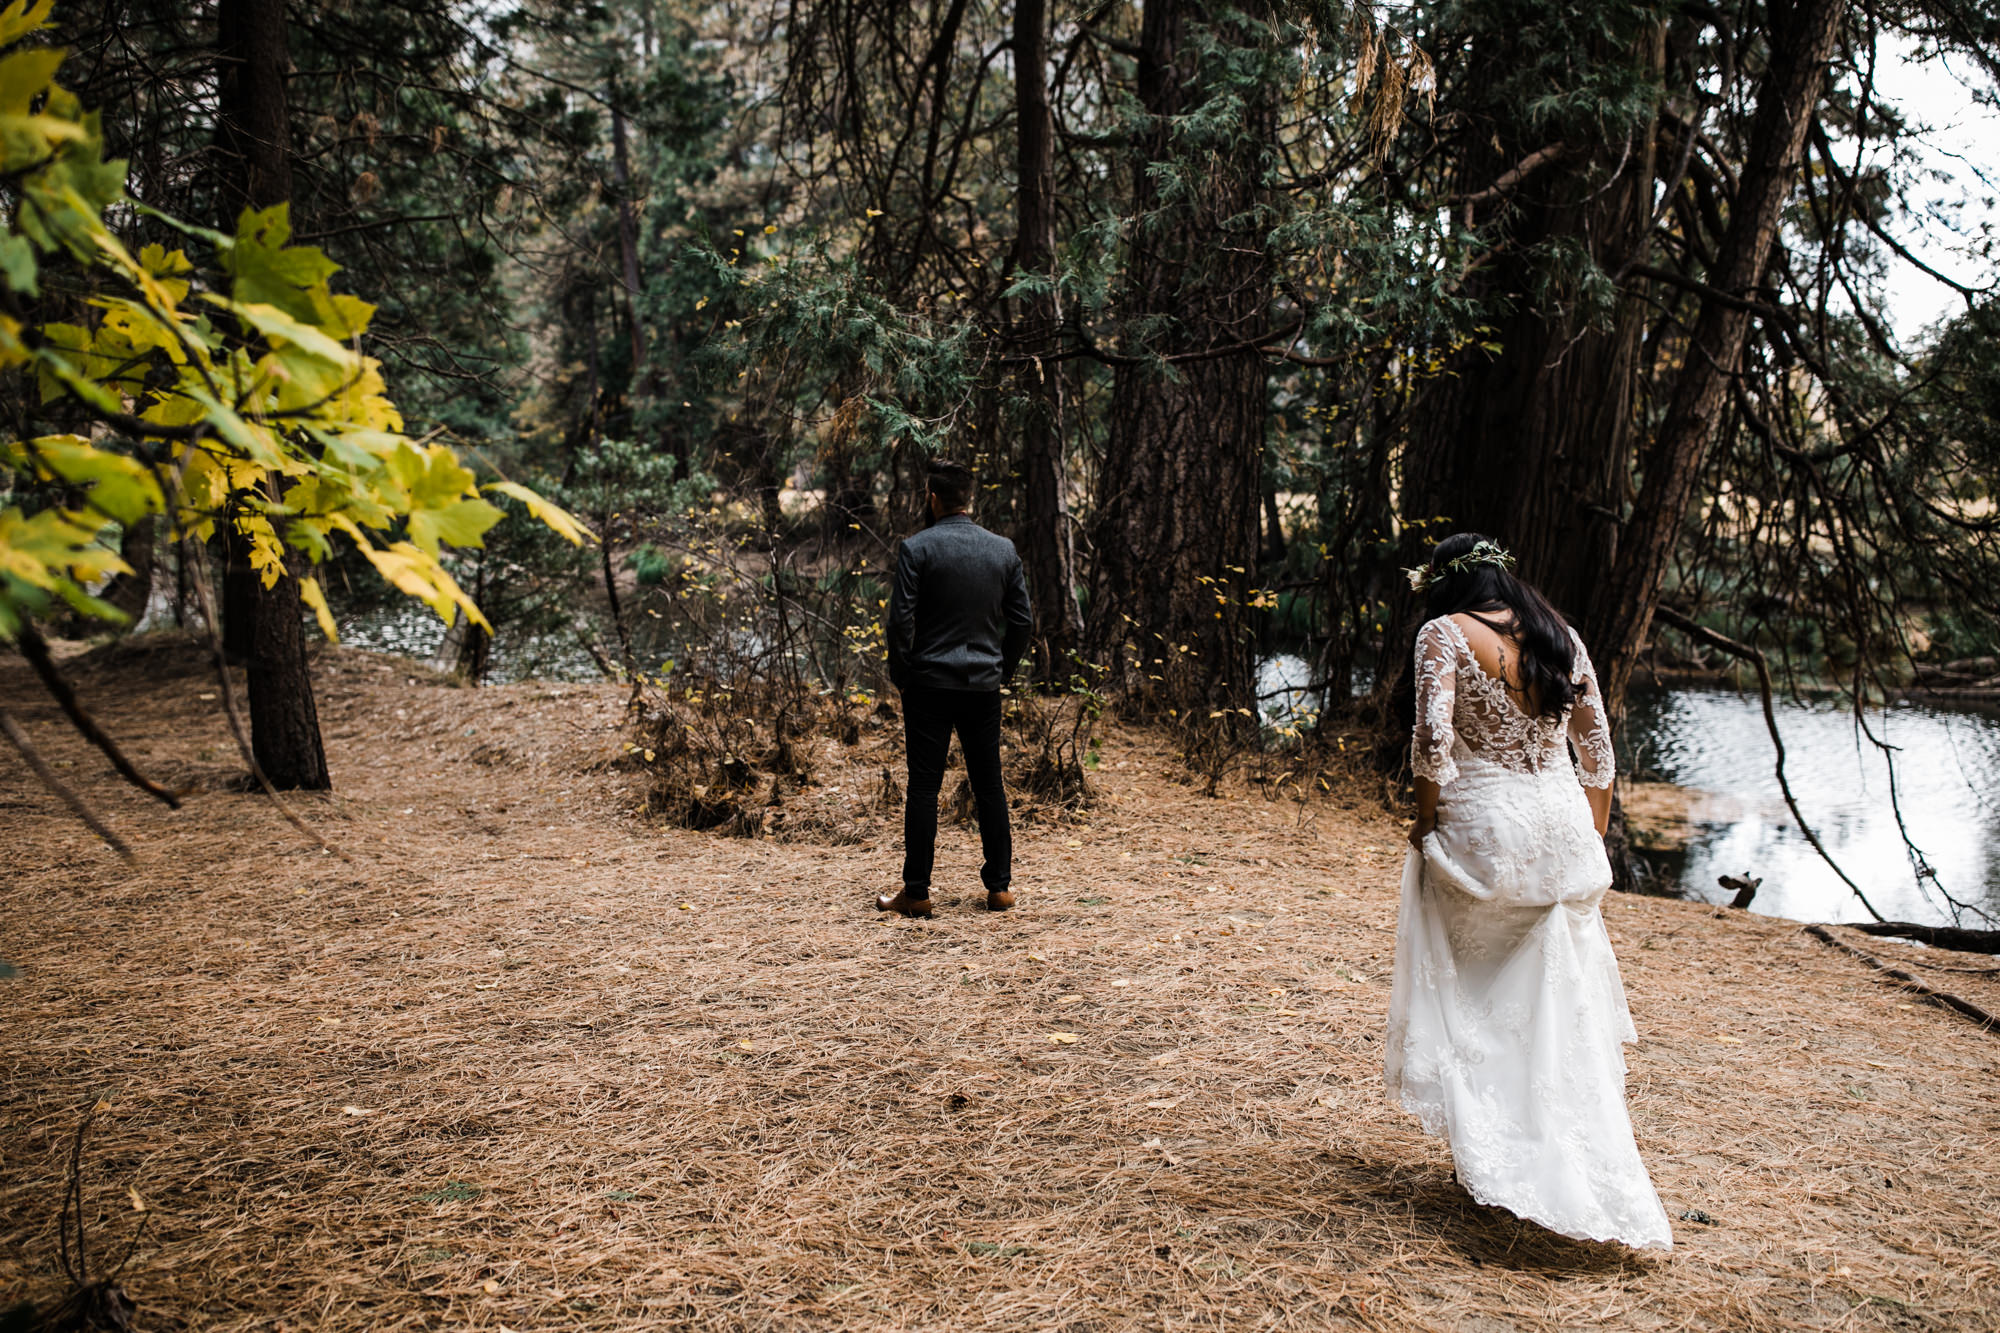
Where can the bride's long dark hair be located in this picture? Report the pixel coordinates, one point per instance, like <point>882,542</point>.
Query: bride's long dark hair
<point>1485,587</point>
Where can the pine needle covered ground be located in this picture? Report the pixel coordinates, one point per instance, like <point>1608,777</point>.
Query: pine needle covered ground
<point>530,1061</point>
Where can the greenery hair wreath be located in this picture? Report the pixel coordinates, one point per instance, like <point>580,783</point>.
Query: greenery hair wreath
<point>1482,553</point>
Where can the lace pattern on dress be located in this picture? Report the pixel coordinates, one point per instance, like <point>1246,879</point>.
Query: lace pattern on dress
<point>1461,710</point>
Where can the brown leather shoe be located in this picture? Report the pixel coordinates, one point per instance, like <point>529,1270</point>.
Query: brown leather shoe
<point>903,902</point>
<point>999,900</point>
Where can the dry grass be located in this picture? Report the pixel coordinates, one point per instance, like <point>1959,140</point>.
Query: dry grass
<point>535,1062</point>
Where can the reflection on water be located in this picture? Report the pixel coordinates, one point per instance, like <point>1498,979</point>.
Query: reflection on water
<point>1947,783</point>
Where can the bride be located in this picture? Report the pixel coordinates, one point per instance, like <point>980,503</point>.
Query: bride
<point>1507,1017</point>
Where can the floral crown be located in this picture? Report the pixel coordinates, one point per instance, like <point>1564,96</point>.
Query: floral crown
<point>1482,553</point>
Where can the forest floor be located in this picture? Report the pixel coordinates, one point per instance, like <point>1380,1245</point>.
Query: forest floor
<point>532,1062</point>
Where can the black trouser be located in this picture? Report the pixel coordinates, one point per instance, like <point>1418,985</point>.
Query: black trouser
<point>929,717</point>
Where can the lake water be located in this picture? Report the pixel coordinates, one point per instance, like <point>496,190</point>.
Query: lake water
<point>1713,742</point>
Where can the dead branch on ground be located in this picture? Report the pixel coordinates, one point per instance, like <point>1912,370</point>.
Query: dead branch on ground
<point>1938,937</point>
<point>1928,994</point>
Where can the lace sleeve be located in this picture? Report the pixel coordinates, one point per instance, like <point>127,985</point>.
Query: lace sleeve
<point>1437,696</point>
<point>1589,728</point>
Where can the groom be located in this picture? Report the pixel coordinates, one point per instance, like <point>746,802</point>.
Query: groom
<point>958,623</point>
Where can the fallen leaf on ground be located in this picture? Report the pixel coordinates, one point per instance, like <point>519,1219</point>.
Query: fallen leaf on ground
<point>1063,1038</point>
<point>358,1110</point>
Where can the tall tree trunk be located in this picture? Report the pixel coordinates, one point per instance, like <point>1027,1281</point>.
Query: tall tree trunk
<point>628,239</point>
<point>252,129</point>
<point>1528,435</point>
<point>1177,525</point>
<point>241,589</point>
<point>1801,43</point>
<point>284,719</point>
<point>1046,540</point>
<point>253,136</point>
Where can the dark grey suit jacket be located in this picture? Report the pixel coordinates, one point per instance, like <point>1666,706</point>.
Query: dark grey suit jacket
<point>959,617</point>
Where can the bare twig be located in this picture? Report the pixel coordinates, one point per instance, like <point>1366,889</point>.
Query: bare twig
<point>1928,994</point>
<point>99,1303</point>
<point>19,739</point>
<point>36,649</point>
<point>1512,177</point>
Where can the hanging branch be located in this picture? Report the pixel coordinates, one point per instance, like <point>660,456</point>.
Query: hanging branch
<point>1756,659</point>
<point>1928,994</point>
<point>36,649</point>
<point>77,805</point>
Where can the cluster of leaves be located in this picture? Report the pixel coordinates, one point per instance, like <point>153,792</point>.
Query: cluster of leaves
<point>236,394</point>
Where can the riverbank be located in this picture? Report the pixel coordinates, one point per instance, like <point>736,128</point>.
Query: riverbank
<point>1948,684</point>
<point>532,1062</point>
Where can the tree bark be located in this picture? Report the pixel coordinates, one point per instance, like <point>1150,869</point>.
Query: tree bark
<point>1274,524</point>
<point>138,547</point>
<point>628,238</point>
<point>1528,435</point>
<point>254,139</point>
<point>241,590</point>
<point>253,128</point>
<point>284,719</point>
<point>1046,539</point>
<point>1801,43</point>
<point>475,654</point>
<point>1177,525</point>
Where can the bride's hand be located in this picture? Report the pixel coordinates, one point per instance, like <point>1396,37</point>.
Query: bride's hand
<point>1421,829</point>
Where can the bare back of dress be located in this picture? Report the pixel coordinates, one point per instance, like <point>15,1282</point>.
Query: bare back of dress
<point>1460,705</point>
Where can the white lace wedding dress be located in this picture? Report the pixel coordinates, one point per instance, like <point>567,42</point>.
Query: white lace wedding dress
<point>1507,1018</point>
